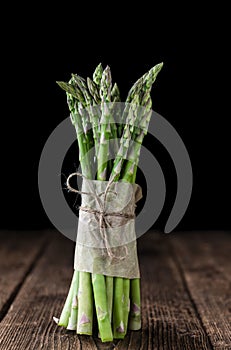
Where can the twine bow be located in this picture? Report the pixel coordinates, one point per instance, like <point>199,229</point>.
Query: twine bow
<point>101,215</point>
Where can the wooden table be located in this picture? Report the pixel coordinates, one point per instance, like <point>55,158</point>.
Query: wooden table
<point>186,292</point>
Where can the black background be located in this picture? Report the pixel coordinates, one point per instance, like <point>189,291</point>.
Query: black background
<point>192,93</point>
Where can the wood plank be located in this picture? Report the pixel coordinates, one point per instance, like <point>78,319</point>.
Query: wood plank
<point>171,321</point>
<point>169,318</point>
<point>18,252</point>
<point>206,266</point>
<point>29,323</point>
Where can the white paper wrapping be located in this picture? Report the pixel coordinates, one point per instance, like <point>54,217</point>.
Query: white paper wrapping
<point>106,239</point>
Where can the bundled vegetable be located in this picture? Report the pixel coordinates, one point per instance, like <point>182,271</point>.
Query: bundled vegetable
<point>110,134</point>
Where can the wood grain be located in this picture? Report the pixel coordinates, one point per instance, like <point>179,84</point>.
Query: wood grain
<point>28,324</point>
<point>185,294</point>
<point>19,251</point>
<point>169,318</point>
<point>206,266</point>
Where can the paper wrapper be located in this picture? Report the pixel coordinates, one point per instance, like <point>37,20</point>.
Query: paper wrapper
<point>106,239</point>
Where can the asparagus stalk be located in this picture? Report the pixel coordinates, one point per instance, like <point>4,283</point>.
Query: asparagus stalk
<point>122,286</point>
<point>126,304</point>
<point>81,84</point>
<point>139,132</point>
<point>101,305</point>
<point>90,99</point>
<point>75,98</point>
<point>115,97</point>
<point>85,311</point>
<point>85,305</point>
<point>135,313</point>
<point>124,143</point>
<point>109,291</point>
<point>103,291</point>
<point>128,118</point>
<point>72,323</point>
<point>81,137</point>
<point>105,132</point>
<point>129,175</point>
<point>66,312</point>
<point>116,107</point>
<point>85,302</point>
<point>118,309</point>
<point>95,122</point>
<point>108,94</point>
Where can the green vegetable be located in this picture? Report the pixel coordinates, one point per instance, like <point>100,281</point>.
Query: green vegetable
<point>101,305</point>
<point>117,300</point>
<point>66,312</point>
<point>85,308</point>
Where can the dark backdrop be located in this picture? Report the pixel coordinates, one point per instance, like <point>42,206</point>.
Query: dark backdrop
<point>191,93</point>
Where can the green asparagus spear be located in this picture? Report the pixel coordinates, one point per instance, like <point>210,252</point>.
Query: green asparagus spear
<point>66,312</point>
<point>94,91</point>
<point>118,309</point>
<point>105,126</point>
<point>109,291</point>
<point>115,93</point>
<point>97,75</point>
<point>72,324</point>
<point>85,307</point>
<point>101,305</point>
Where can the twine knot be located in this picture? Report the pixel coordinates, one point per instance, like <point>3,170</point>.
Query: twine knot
<point>101,214</point>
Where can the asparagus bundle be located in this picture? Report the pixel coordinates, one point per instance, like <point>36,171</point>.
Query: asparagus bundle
<point>115,299</point>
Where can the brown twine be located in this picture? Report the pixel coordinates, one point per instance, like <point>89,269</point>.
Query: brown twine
<point>103,222</point>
